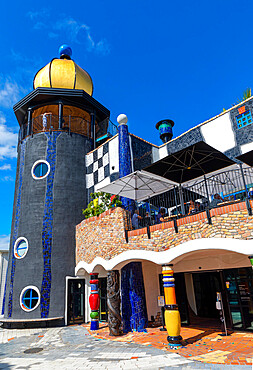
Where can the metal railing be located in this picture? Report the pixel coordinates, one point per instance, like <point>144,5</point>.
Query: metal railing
<point>75,124</point>
<point>224,188</point>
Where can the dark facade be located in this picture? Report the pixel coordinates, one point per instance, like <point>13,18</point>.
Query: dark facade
<point>45,213</point>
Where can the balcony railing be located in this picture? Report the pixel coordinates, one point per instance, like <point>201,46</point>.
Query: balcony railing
<point>70,123</point>
<point>230,187</point>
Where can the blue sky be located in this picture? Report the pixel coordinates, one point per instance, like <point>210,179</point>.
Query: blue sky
<point>151,60</point>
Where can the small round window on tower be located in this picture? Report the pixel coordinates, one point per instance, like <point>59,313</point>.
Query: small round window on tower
<point>29,298</point>
<point>20,247</point>
<point>40,169</point>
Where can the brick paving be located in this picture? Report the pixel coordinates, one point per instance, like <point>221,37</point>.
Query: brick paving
<point>204,345</point>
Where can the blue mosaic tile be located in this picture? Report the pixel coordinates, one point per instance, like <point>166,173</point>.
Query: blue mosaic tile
<point>16,225</point>
<point>125,166</point>
<point>134,310</point>
<point>47,226</point>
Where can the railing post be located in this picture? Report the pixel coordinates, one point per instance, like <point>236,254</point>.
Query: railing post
<point>60,115</point>
<point>208,203</point>
<point>246,190</point>
<point>29,121</point>
<point>93,128</point>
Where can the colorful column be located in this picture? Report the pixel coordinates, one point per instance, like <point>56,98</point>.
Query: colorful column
<point>172,315</point>
<point>125,162</point>
<point>94,301</point>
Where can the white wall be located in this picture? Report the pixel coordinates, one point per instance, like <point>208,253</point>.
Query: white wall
<point>151,273</point>
<point>219,133</point>
<point>3,272</point>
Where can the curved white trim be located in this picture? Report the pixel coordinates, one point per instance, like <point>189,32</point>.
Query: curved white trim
<point>15,247</point>
<point>233,245</point>
<point>35,164</point>
<point>21,295</point>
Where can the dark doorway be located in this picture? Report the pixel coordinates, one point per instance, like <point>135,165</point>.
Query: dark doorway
<point>76,300</point>
<point>206,285</point>
<point>103,309</point>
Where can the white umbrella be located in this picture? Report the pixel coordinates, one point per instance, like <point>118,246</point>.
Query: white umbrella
<point>139,185</point>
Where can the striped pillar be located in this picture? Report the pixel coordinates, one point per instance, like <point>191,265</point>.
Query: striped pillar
<point>172,315</point>
<point>94,301</point>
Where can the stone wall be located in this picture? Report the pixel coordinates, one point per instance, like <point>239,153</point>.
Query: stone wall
<point>104,236</point>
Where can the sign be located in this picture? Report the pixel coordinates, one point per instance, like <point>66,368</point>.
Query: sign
<point>160,299</point>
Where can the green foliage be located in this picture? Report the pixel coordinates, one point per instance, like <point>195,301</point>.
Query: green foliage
<point>100,203</point>
<point>246,95</point>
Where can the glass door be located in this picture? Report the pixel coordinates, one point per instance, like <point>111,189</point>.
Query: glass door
<point>239,288</point>
<point>76,296</point>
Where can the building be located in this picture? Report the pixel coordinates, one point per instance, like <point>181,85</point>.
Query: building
<point>67,150</point>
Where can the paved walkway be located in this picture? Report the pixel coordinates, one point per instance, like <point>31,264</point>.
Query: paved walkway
<point>74,348</point>
<point>204,345</point>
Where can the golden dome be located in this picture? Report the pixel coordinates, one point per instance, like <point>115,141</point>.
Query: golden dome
<point>63,73</point>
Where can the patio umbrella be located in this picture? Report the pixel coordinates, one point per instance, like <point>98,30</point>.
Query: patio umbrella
<point>247,158</point>
<point>139,186</point>
<point>189,163</point>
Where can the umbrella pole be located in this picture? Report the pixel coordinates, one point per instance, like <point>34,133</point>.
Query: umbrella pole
<point>175,198</point>
<point>208,204</point>
<point>181,199</point>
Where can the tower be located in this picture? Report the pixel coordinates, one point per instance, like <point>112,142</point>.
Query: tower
<point>59,121</point>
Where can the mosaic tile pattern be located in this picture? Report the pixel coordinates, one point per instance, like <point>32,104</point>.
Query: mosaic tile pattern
<point>134,310</point>
<point>125,163</point>
<point>16,224</point>
<point>47,227</point>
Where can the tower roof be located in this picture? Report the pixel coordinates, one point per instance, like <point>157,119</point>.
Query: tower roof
<point>63,73</point>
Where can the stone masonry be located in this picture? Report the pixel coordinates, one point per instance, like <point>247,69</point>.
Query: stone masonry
<point>104,236</point>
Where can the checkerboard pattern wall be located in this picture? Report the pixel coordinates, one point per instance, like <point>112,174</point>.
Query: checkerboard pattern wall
<point>102,164</point>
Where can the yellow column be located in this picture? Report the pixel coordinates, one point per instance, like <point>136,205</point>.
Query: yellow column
<point>171,314</point>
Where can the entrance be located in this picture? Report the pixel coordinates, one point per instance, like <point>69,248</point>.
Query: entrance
<point>206,285</point>
<point>76,297</point>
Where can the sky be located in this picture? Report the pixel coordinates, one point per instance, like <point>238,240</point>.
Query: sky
<point>151,60</point>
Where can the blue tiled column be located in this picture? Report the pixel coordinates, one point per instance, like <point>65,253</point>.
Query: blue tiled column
<point>134,310</point>
<point>125,165</point>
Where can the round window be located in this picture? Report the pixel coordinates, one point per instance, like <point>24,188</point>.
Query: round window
<point>20,247</point>
<point>40,169</point>
<point>29,298</point>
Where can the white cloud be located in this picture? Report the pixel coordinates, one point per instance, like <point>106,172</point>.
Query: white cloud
<point>7,178</point>
<point>8,140</point>
<point>5,167</point>
<point>80,33</point>
<point>4,242</point>
<point>69,29</point>
<point>10,92</point>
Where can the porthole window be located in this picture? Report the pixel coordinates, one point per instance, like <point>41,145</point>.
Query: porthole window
<point>20,247</point>
<point>40,169</point>
<point>30,298</point>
